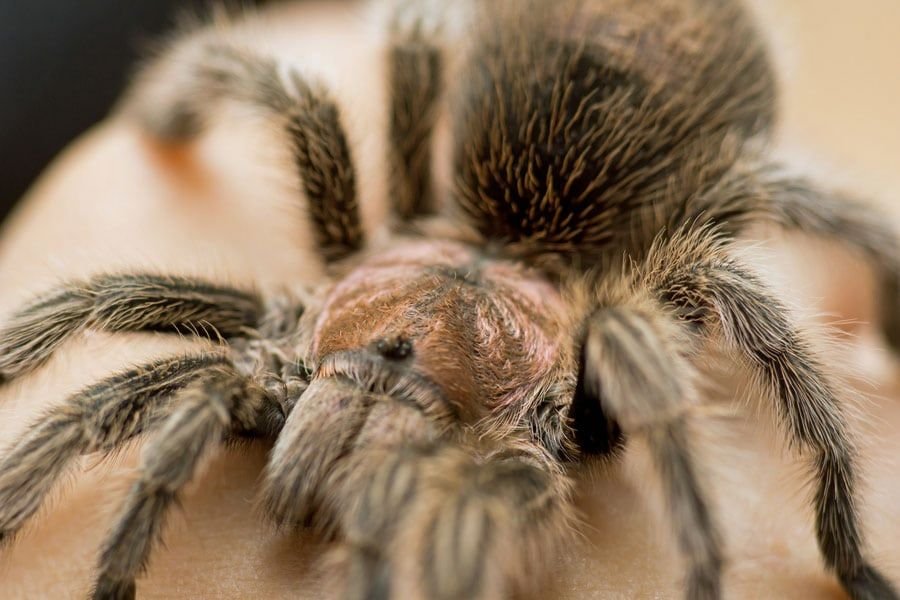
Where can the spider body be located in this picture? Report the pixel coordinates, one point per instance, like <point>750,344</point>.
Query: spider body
<point>485,331</point>
<point>439,344</point>
<point>427,399</point>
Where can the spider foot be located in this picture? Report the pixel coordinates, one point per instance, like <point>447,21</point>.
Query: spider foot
<point>113,589</point>
<point>868,584</point>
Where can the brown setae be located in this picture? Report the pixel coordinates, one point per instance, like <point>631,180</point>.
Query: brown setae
<point>428,399</point>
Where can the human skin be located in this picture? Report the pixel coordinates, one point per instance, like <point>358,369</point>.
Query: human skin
<point>225,209</point>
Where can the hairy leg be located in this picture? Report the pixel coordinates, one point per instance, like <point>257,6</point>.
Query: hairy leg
<point>99,418</point>
<point>414,73</point>
<point>764,193</point>
<point>210,71</point>
<point>433,522</point>
<point>692,273</point>
<point>384,485</point>
<point>219,403</point>
<point>334,419</point>
<point>320,431</point>
<point>357,463</point>
<point>136,302</point>
<point>635,367</point>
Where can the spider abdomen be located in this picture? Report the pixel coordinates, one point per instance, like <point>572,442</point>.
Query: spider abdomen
<point>570,123</point>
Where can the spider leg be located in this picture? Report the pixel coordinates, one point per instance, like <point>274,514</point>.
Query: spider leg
<point>450,526</point>
<point>414,74</point>
<point>319,432</point>
<point>635,367</point>
<point>122,303</point>
<point>219,403</point>
<point>209,73</point>
<point>354,461</point>
<point>333,419</point>
<point>694,275</point>
<point>99,418</point>
<point>764,194</point>
<point>383,491</point>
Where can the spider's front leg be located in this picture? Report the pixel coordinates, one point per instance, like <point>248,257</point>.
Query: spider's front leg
<point>197,397</point>
<point>110,412</point>
<point>384,475</point>
<point>437,522</point>
<point>636,375</point>
<point>318,434</point>
<point>692,273</point>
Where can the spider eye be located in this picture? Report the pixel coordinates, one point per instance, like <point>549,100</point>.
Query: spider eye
<point>393,347</point>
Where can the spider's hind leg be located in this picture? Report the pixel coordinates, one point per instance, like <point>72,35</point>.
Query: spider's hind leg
<point>177,98</point>
<point>415,72</point>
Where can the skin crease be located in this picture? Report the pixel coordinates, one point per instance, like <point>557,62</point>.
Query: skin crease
<point>226,210</point>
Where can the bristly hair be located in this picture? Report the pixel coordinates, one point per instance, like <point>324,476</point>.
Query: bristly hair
<point>428,398</point>
<point>569,119</point>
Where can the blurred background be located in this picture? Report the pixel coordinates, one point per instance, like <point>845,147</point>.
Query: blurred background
<point>63,63</point>
<point>840,103</point>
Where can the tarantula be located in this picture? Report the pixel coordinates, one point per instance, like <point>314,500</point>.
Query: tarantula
<point>428,399</point>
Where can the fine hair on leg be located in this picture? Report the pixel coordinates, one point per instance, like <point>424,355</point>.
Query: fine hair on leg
<point>437,522</point>
<point>222,402</point>
<point>636,364</point>
<point>415,69</point>
<point>333,425</point>
<point>482,526</point>
<point>692,273</point>
<point>213,71</point>
<point>385,484</point>
<point>127,302</point>
<point>99,418</point>
<point>767,193</point>
<point>320,431</point>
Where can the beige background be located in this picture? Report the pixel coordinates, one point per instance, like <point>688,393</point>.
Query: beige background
<point>111,203</point>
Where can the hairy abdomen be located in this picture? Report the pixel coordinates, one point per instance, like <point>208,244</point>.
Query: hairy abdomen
<point>570,117</point>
